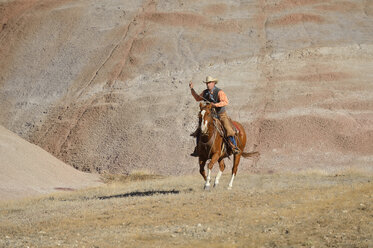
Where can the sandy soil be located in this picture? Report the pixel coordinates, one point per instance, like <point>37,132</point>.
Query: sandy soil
<point>28,170</point>
<point>284,210</point>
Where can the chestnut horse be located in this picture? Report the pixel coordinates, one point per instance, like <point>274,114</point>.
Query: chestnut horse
<point>212,146</point>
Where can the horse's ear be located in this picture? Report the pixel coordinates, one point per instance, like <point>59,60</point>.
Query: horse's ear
<point>201,105</point>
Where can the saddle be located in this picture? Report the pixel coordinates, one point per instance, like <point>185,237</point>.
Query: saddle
<point>226,144</point>
<point>219,126</point>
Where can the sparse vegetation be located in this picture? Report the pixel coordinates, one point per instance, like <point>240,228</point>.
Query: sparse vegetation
<point>134,176</point>
<point>277,210</point>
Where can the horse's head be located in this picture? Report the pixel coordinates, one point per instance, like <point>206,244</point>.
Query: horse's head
<point>205,117</point>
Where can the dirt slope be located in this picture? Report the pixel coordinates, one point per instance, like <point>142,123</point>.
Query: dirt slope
<point>102,85</point>
<point>28,170</point>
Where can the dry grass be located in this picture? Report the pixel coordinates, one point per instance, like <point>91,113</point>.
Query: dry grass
<point>134,176</point>
<point>292,210</point>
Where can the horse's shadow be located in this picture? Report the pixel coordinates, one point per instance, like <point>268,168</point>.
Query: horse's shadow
<point>140,193</point>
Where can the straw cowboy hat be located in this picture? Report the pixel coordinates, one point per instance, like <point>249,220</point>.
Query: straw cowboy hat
<point>211,79</point>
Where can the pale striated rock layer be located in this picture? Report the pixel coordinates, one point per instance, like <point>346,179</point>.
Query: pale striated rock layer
<point>103,85</point>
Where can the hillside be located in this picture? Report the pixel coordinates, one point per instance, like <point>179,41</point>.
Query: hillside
<point>103,85</point>
<point>27,170</point>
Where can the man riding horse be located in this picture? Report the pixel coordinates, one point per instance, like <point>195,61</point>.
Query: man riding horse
<point>219,101</point>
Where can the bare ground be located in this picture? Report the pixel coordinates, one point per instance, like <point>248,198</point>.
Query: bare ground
<point>311,209</point>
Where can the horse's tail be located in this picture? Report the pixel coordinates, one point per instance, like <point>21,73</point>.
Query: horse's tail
<point>250,154</point>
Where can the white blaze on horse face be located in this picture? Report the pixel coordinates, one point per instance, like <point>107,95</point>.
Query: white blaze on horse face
<point>204,122</point>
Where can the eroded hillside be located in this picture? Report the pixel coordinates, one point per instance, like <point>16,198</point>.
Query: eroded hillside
<point>103,85</point>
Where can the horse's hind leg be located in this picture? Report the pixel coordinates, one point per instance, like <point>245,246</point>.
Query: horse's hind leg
<point>221,169</point>
<point>236,161</point>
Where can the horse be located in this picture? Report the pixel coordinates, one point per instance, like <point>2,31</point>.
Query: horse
<point>213,145</point>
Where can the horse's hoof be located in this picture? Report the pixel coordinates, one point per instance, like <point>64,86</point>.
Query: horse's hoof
<point>216,185</point>
<point>229,188</point>
<point>207,187</point>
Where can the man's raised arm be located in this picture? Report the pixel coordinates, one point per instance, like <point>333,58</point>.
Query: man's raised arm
<point>194,93</point>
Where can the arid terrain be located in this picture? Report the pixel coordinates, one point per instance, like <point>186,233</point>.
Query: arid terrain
<point>103,85</point>
<point>96,112</point>
<point>282,210</point>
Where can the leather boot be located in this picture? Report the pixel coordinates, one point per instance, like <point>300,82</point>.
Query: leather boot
<point>195,153</point>
<point>195,133</point>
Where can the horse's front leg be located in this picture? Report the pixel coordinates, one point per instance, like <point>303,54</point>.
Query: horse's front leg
<point>221,169</point>
<point>214,159</point>
<point>202,163</point>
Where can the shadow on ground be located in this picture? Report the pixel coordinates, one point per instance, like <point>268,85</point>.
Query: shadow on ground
<point>140,193</point>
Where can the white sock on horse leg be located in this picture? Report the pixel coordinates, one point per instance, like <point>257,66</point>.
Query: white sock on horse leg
<point>208,177</point>
<point>218,177</point>
<point>231,182</point>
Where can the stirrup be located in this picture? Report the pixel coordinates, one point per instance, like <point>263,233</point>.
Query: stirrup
<point>234,148</point>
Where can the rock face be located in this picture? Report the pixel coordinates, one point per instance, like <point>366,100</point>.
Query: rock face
<point>103,85</point>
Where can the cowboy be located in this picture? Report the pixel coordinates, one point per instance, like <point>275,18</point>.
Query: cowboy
<point>218,100</point>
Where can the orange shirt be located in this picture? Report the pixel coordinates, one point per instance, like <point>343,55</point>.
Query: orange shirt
<point>223,99</point>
